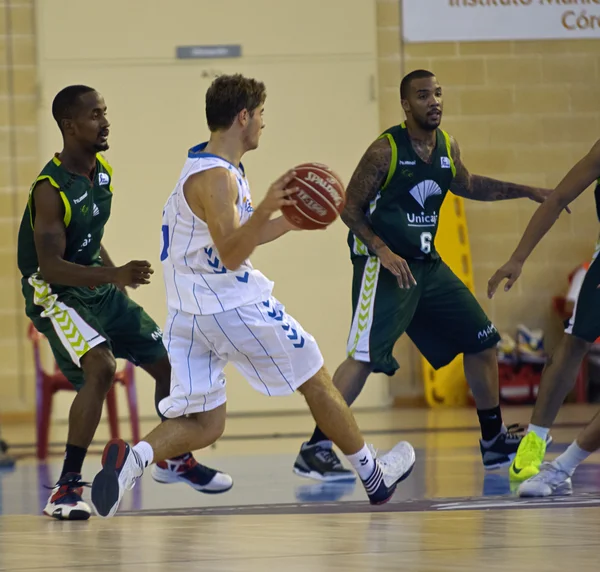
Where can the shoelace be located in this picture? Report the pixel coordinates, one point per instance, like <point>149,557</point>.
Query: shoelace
<point>550,472</point>
<point>138,462</point>
<point>70,483</point>
<point>188,464</point>
<point>514,432</point>
<point>67,487</point>
<point>328,456</point>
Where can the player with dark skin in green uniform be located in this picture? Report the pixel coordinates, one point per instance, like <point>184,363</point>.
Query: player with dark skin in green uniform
<point>76,297</point>
<point>401,285</point>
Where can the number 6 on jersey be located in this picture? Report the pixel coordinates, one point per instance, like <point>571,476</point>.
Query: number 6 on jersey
<point>426,242</point>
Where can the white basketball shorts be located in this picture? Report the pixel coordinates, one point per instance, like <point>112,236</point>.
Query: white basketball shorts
<point>269,347</point>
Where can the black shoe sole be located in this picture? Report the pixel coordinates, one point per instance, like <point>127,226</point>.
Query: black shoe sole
<point>73,515</point>
<point>105,488</point>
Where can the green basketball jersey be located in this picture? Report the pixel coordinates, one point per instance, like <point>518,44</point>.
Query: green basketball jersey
<point>405,212</point>
<point>86,209</point>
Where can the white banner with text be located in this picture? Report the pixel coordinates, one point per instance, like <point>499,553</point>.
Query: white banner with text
<point>493,20</point>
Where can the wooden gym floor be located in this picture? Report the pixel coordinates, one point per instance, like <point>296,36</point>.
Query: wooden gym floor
<point>448,516</point>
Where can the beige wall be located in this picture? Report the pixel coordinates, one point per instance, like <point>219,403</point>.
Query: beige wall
<point>18,163</point>
<point>156,108</point>
<point>523,112</point>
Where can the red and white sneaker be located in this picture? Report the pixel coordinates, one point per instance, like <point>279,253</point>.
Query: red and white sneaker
<point>186,469</point>
<point>65,502</point>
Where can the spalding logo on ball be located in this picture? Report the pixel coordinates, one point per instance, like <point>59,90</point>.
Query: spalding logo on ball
<point>319,200</point>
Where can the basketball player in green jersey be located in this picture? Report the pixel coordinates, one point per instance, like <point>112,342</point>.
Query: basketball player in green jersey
<point>400,283</point>
<point>75,296</point>
<point>561,370</point>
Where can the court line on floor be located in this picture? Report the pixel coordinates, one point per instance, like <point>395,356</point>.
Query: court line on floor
<point>420,505</point>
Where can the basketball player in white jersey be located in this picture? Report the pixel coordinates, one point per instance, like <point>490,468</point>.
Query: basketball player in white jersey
<point>221,310</point>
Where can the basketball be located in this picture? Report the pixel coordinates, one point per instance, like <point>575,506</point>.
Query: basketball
<point>319,200</point>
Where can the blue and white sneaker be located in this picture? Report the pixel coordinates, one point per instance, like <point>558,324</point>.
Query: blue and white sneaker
<point>185,469</point>
<point>390,469</point>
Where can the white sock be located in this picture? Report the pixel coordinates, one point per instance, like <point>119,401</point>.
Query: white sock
<point>541,432</point>
<point>571,458</point>
<point>363,462</point>
<point>145,453</point>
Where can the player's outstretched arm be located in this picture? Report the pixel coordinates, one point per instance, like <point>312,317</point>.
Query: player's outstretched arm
<point>479,188</point>
<point>212,197</point>
<point>579,178</point>
<point>367,180</point>
<point>50,243</point>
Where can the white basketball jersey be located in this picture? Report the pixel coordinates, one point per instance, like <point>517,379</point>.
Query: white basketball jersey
<point>196,280</point>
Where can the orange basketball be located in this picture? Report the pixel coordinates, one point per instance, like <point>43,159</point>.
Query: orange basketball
<point>320,199</point>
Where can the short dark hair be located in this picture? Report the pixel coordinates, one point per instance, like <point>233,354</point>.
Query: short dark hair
<point>230,94</point>
<point>408,78</point>
<point>66,101</point>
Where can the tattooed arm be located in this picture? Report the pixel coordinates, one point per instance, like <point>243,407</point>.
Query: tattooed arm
<point>363,187</point>
<point>367,180</point>
<point>50,243</point>
<point>480,188</point>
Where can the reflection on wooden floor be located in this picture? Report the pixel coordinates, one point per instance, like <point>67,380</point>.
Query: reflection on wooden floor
<point>449,515</point>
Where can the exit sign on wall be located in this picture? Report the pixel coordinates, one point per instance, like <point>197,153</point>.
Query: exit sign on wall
<point>493,20</point>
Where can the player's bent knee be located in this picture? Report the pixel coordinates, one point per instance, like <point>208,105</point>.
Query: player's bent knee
<point>99,366</point>
<point>211,423</point>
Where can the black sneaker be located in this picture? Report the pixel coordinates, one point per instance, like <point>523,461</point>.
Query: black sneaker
<point>502,450</point>
<point>320,462</point>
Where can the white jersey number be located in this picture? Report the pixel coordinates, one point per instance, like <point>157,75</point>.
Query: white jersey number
<point>426,242</point>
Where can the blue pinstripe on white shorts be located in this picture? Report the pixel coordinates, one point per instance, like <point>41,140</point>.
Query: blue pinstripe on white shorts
<point>267,345</point>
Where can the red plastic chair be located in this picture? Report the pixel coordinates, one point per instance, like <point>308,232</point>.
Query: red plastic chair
<point>47,384</point>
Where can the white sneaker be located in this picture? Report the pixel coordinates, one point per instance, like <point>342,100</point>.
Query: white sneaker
<point>390,469</point>
<point>121,468</point>
<point>65,502</point>
<point>550,481</point>
<point>186,469</point>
